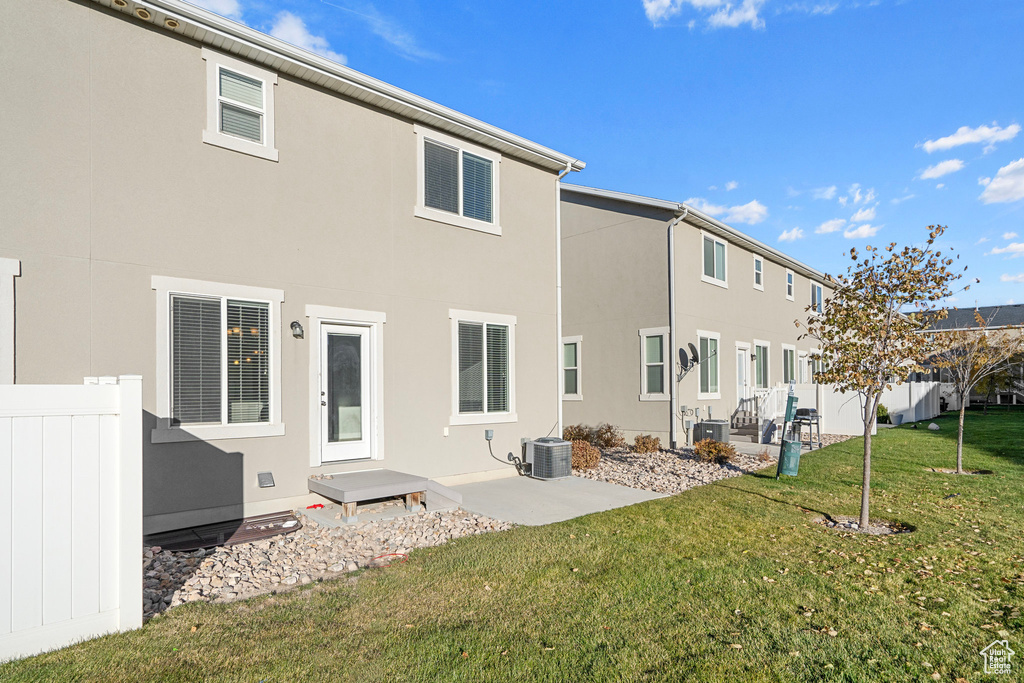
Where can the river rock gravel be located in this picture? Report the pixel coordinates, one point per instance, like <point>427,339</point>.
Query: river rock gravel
<point>313,552</point>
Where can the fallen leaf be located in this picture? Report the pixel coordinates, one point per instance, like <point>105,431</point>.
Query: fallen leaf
<point>736,646</point>
<point>194,629</point>
<point>465,654</point>
<point>795,653</point>
<point>549,648</point>
<point>832,632</point>
<point>937,676</point>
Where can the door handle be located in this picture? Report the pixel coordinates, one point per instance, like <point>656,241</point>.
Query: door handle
<point>323,403</point>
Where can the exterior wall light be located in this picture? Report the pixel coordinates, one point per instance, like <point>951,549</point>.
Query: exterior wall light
<point>297,329</point>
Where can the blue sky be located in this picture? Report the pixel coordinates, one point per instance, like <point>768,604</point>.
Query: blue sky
<point>813,125</point>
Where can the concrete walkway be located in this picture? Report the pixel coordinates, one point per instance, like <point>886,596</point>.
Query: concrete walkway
<point>533,502</point>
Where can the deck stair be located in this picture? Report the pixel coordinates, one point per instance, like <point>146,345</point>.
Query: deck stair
<point>352,488</point>
<point>745,426</point>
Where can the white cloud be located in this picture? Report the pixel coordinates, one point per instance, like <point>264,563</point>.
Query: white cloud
<point>940,186</point>
<point>751,213</point>
<point>1019,277</point>
<point>388,29</point>
<point>942,168</point>
<point>719,13</point>
<point>1012,250</point>
<point>856,196</point>
<point>984,181</point>
<point>1010,302</point>
<point>981,240</point>
<point>834,225</point>
<point>900,200</point>
<point>861,232</point>
<point>791,235</point>
<point>1009,235</point>
<point>965,135</point>
<point>825,192</point>
<point>292,29</point>
<point>731,185</point>
<point>864,214</point>
<point>1007,186</point>
<point>232,9</point>
<point>811,8</point>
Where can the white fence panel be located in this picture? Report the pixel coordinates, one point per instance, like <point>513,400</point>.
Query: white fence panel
<point>71,479</point>
<point>842,413</point>
<point>912,401</point>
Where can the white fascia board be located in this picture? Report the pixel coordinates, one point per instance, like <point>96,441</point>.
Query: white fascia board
<point>229,36</point>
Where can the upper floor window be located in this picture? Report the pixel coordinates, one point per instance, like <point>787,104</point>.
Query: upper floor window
<point>714,261</point>
<point>654,366</point>
<point>217,359</point>
<point>758,273</point>
<point>239,106</point>
<point>571,360</point>
<point>816,302</point>
<point>789,285</point>
<point>458,182</point>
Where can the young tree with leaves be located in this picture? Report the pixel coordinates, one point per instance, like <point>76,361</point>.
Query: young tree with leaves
<point>971,357</point>
<point>869,326</point>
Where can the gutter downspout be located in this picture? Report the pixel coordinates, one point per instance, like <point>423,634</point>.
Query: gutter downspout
<point>558,291</point>
<point>674,387</point>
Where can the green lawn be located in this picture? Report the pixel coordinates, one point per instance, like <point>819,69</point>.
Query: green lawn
<point>727,582</point>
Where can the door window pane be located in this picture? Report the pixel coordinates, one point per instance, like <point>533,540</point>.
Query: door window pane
<point>344,388</point>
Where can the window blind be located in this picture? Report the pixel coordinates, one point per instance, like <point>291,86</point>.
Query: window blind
<point>241,89</point>
<point>248,359</point>
<point>497,369</point>
<point>195,360</point>
<point>654,356</point>
<point>240,122</point>
<point>471,375</point>
<point>476,187</point>
<point>441,177</point>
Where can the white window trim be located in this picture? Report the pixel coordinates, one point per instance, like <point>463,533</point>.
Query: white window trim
<point>578,341</point>
<point>421,210</point>
<point>9,269</point>
<point>759,287</point>
<point>796,367</point>
<point>718,361</point>
<point>666,362</point>
<point>790,291</point>
<point>212,135</point>
<point>458,418</point>
<point>165,432</point>
<point>767,360</point>
<point>724,282</point>
<point>375,320</point>
<point>803,365</point>
<point>821,301</point>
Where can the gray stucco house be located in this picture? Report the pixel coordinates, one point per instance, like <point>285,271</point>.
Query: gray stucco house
<point>644,278</point>
<point>310,268</point>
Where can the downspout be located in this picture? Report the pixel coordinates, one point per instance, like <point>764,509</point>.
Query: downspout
<point>558,290</point>
<point>673,393</point>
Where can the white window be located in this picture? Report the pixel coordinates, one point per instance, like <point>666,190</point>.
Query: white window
<point>709,365</point>
<point>803,366</point>
<point>457,182</point>
<point>218,361</point>
<point>816,298</point>
<point>761,364</point>
<point>788,363</point>
<point>483,368</point>
<point>789,285</point>
<point>714,260</point>
<point>817,366</point>
<point>572,360</point>
<point>9,269</point>
<point>758,273</point>
<point>653,364</point>
<point>239,106</point>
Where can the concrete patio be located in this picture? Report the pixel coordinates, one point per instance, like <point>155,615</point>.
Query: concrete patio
<point>533,502</point>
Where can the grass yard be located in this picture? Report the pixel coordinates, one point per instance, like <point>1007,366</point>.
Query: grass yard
<point>730,581</point>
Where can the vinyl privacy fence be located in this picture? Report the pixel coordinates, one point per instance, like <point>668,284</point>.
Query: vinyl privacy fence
<point>841,413</point>
<point>71,522</point>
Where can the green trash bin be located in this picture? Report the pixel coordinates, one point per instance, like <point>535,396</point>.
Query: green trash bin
<point>789,459</point>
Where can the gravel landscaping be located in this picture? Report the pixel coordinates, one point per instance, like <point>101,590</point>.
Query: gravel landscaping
<point>313,552</point>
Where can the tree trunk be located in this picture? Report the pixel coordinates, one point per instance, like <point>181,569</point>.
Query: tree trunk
<point>866,484</point>
<point>960,442</point>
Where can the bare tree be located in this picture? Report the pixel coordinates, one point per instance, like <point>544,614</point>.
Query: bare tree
<point>972,356</point>
<point>869,326</point>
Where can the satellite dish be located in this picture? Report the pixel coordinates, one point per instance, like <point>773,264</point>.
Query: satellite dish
<point>683,360</point>
<point>694,358</point>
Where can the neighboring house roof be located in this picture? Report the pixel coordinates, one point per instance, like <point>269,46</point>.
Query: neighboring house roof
<point>709,223</point>
<point>229,36</point>
<point>995,317</point>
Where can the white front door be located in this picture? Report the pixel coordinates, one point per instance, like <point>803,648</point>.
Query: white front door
<point>346,406</point>
<point>743,389</point>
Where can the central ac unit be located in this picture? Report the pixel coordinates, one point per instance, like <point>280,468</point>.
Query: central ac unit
<point>716,430</point>
<point>549,458</point>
